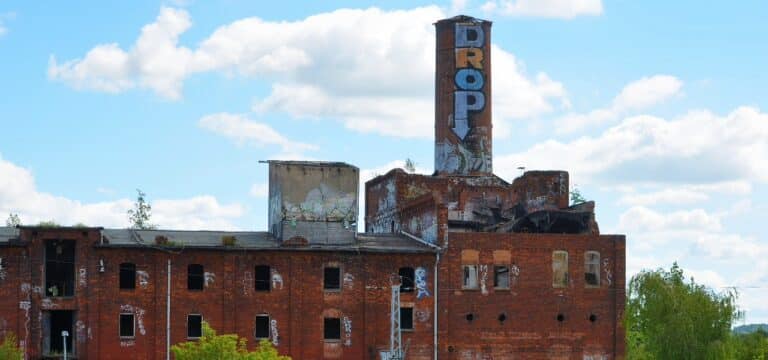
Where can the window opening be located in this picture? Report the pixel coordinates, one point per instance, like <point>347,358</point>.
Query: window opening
<point>406,318</point>
<point>262,327</point>
<point>263,275</point>
<point>127,325</point>
<point>127,276</point>
<point>59,268</point>
<point>195,277</point>
<point>332,278</point>
<point>592,268</point>
<point>194,326</point>
<point>407,276</point>
<point>54,322</point>
<point>560,269</point>
<point>332,329</point>
<point>501,277</point>
<point>469,277</point>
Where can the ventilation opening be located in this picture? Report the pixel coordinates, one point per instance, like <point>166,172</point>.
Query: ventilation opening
<point>502,317</point>
<point>560,317</point>
<point>470,317</point>
<point>592,317</point>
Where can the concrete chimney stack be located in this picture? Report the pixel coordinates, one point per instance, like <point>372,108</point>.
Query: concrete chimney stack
<point>463,97</point>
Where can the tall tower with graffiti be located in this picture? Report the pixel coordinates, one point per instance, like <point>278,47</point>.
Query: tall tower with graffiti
<point>463,133</point>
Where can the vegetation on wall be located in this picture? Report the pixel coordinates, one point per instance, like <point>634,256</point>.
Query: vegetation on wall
<point>9,348</point>
<point>229,346</point>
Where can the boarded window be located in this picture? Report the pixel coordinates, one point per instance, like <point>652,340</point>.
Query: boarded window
<point>195,277</point>
<point>559,268</point>
<point>194,326</point>
<point>592,268</point>
<point>127,325</point>
<point>262,327</point>
<point>332,329</point>
<point>331,278</point>
<point>263,274</point>
<point>501,277</point>
<point>127,276</point>
<point>406,318</point>
<point>407,276</point>
<point>469,275</point>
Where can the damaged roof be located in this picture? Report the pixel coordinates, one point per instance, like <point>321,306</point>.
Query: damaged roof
<point>256,240</point>
<point>309,163</point>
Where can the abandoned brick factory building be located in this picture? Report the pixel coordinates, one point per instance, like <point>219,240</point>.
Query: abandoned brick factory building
<point>460,264</point>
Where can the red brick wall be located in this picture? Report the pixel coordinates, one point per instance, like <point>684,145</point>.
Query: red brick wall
<point>531,330</point>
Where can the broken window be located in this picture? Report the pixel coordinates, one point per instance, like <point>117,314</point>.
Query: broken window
<point>194,326</point>
<point>127,276</point>
<point>501,277</point>
<point>195,277</point>
<point>59,268</point>
<point>332,278</point>
<point>559,268</point>
<point>127,326</point>
<point>592,268</point>
<point>469,277</point>
<point>262,327</point>
<point>332,329</point>
<point>406,318</point>
<point>262,273</point>
<point>407,276</point>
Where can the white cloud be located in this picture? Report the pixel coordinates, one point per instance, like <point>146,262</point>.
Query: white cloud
<point>646,220</point>
<point>698,147</point>
<point>260,190</point>
<point>684,194</point>
<point>3,18</point>
<point>245,131</point>
<point>372,70</point>
<point>458,6</point>
<point>18,194</point>
<point>563,9</point>
<point>637,95</point>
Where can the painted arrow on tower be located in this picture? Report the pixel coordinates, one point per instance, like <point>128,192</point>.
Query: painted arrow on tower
<point>460,128</point>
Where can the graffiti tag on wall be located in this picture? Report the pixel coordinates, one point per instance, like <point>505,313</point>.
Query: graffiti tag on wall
<point>469,77</point>
<point>421,282</point>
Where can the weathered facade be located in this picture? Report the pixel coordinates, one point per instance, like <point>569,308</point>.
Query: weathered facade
<point>484,268</point>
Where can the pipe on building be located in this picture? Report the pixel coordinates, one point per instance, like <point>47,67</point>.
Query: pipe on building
<point>168,316</point>
<point>436,313</point>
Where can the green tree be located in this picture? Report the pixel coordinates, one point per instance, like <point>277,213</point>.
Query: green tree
<point>229,346</point>
<point>668,317</point>
<point>13,220</point>
<point>141,213</point>
<point>576,197</point>
<point>410,166</point>
<point>9,348</point>
<point>753,346</point>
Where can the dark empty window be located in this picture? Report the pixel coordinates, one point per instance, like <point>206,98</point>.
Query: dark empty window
<point>194,325</point>
<point>127,325</point>
<point>332,329</point>
<point>332,278</point>
<point>407,276</point>
<point>59,268</point>
<point>501,277</point>
<point>262,275</point>
<point>195,277</point>
<point>262,327</point>
<point>406,318</point>
<point>127,276</point>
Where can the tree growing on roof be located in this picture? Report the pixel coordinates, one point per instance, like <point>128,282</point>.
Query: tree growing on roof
<point>13,220</point>
<point>141,213</point>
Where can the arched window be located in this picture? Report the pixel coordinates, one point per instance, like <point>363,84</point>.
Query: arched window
<point>127,276</point>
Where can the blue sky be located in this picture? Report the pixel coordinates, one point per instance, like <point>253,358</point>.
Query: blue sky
<point>655,107</point>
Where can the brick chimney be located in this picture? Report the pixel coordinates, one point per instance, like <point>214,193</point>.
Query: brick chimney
<point>463,97</point>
